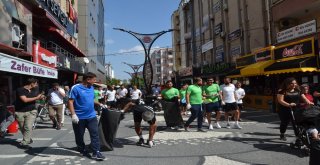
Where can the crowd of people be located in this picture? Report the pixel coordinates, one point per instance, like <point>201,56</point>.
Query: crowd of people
<point>200,101</point>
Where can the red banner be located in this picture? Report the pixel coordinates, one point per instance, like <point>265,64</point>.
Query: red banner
<point>44,57</point>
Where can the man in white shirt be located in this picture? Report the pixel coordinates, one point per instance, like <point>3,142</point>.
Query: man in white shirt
<point>121,96</point>
<point>135,94</point>
<point>111,97</point>
<point>228,100</point>
<point>55,98</point>
<point>240,93</point>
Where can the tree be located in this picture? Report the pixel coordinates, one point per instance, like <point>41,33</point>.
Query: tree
<point>112,81</point>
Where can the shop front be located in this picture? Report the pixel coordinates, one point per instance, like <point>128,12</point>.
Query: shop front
<point>218,71</point>
<point>184,76</point>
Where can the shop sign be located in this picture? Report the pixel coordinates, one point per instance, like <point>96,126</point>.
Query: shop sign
<point>297,31</point>
<point>299,49</point>
<point>235,52</point>
<point>55,10</point>
<point>245,60</point>
<point>217,7</point>
<point>263,54</point>
<point>219,53</point>
<point>217,68</point>
<point>20,66</point>
<point>218,29</point>
<point>234,35</point>
<point>207,46</point>
<point>185,71</point>
<point>46,58</point>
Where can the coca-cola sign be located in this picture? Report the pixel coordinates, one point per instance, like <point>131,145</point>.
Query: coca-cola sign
<point>297,49</point>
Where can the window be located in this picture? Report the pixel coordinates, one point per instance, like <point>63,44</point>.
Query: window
<point>158,69</point>
<point>158,61</point>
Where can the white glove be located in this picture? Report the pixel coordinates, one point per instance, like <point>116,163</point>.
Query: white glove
<point>75,119</point>
<point>223,103</point>
<point>122,111</point>
<point>188,106</point>
<point>103,106</point>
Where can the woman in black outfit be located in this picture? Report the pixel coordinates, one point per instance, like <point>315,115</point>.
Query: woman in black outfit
<point>288,97</point>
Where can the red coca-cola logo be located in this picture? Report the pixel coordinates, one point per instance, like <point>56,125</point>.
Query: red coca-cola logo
<point>146,39</point>
<point>295,51</point>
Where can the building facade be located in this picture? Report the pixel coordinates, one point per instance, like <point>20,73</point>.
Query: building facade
<point>162,65</point>
<point>91,36</point>
<point>109,70</point>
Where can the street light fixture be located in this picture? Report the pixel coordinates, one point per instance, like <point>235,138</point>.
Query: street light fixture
<point>146,41</point>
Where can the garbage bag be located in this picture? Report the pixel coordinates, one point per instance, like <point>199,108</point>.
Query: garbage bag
<point>108,127</point>
<point>172,114</point>
<point>314,153</point>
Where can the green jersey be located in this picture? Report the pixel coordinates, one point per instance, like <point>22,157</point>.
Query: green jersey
<point>211,91</point>
<point>96,95</point>
<point>169,93</point>
<point>195,92</point>
<point>183,93</point>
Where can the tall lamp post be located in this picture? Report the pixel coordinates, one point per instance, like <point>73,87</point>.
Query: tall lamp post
<point>132,75</point>
<point>146,41</point>
<point>135,69</point>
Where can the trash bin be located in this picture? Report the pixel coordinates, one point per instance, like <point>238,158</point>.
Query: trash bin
<point>13,127</point>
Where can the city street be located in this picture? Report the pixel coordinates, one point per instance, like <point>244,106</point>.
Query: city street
<point>256,143</point>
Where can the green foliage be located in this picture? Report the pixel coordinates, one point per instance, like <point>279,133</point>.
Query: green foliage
<point>112,81</point>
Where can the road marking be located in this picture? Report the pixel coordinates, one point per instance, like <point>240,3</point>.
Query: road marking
<point>13,156</point>
<point>50,129</point>
<point>219,160</point>
<point>38,139</point>
<point>259,116</point>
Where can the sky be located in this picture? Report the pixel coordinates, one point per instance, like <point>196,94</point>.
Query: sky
<point>141,16</point>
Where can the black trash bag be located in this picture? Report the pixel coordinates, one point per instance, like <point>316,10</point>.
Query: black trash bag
<point>314,153</point>
<point>108,127</point>
<point>172,114</point>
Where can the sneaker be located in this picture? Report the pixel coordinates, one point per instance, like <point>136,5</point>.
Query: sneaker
<point>283,137</point>
<point>24,146</point>
<point>228,126</point>
<point>58,126</point>
<point>186,128</point>
<point>201,130</point>
<point>140,142</point>
<point>236,126</point>
<point>31,141</point>
<point>218,126</point>
<point>54,125</point>
<point>205,120</point>
<point>210,127</point>
<point>85,153</point>
<point>98,156</point>
<point>150,143</point>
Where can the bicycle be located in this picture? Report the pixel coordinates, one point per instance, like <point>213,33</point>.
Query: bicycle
<point>42,114</point>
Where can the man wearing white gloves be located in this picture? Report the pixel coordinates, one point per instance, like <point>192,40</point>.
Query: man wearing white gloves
<point>81,106</point>
<point>194,103</point>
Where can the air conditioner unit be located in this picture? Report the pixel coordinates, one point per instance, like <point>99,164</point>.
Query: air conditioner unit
<point>222,34</point>
<point>225,7</point>
<point>287,23</point>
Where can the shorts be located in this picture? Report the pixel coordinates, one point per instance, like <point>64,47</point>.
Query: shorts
<point>210,107</point>
<point>240,106</point>
<point>230,107</point>
<point>137,118</point>
<point>183,104</point>
<point>136,101</point>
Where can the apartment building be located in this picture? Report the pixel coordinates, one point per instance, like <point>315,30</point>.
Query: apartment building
<point>162,65</point>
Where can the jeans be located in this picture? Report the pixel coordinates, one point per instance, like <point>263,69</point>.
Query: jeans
<point>26,120</point>
<point>79,129</point>
<point>196,112</point>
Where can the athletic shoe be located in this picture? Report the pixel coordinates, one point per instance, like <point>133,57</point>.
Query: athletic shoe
<point>236,126</point>
<point>283,137</point>
<point>210,127</point>
<point>218,126</point>
<point>150,143</point>
<point>186,129</point>
<point>24,146</point>
<point>98,156</point>
<point>31,141</point>
<point>228,125</point>
<point>205,120</point>
<point>85,153</point>
<point>140,142</point>
<point>201,130</point>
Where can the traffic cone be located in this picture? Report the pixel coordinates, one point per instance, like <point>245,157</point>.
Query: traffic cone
<point>13,127</point>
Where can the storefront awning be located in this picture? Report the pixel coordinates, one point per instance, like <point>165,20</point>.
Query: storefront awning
<point>299,65</point>
<point>255,69</point>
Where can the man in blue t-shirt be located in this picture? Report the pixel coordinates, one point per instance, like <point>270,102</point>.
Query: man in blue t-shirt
<point>81,106</point>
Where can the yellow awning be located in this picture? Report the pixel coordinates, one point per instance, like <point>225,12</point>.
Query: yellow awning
<point>292,70</point>
<point>234,76</point>
<point>256,69</point>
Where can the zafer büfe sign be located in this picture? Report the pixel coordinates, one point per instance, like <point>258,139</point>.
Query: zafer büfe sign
<point>297,31</point>
<point>20,66</point>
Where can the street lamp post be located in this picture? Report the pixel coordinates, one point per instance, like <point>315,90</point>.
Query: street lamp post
<point>146,40</point>
<point>135,69</point>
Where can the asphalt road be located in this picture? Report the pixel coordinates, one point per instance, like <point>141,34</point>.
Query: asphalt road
<point>257,143</point>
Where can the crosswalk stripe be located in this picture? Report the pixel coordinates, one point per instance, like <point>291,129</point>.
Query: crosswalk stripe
<point>38,139</point>
<point>13,156</point>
